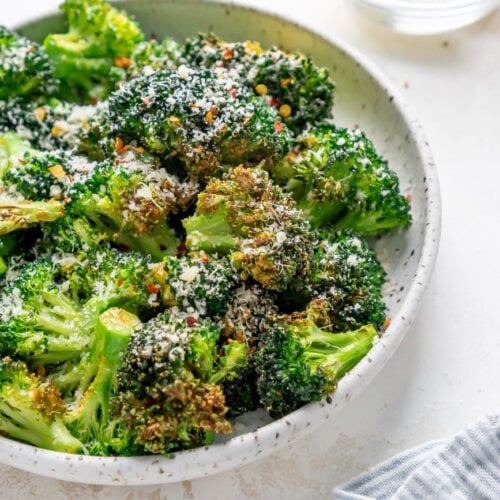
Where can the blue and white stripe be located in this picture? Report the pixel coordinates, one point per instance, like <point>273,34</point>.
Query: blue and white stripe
<point>466,466</point>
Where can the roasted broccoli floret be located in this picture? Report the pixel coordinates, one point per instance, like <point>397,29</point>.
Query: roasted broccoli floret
<point>202,117</point>
<point>31,410</point>
<point>240,392</point>
<point>71,235</point>
<point>348,277</point>
<point>39,319</point>
<point>298,363</point>
<point>91,58</point>
<point>108,277</point>
<point>301,91</point>
<point>338,179</point>
<point>197,283</point>
<point>45,124</point>
<point>25,69</point>
<point>250,312</point>
<point>152,55</point>
<point>89,415</point>
<point>130,203</point>
<point>252,221</point>
<point>168,393</point>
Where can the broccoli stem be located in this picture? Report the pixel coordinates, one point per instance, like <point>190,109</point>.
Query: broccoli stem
<point>210,233</point>
<point>3,266</point>
<point>235,356</point>
<point>370,223</point>
<point>336,353</point>
<point>158,242</point>
<point>30,426</point>
<point>21,214</point>
<point>320,213</point>
<point>112,335</point>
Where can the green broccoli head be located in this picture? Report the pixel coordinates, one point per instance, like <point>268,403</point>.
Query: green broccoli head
<point>298,363</point>
<point>338,179</point>
<point>31,410</point>
<point>348,277</point>
<point>252,221</point>
<point>204,118</point>
<point>301,91</point>
<point>37,121</point>
<point>152,55</point>
<point>91,58</point>
<point>126,201</point>
<point>108,277</point>
<point>41,176</point>
<point>39,317</point>
<point>197,283</point>
<point>168,395</point>
<point>251,311</point>
<point>25,69</point>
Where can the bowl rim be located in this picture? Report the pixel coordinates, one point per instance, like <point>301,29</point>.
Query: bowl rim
<point>198,462</point>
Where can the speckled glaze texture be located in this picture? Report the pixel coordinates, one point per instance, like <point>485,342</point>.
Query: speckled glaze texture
<point>364,98</point>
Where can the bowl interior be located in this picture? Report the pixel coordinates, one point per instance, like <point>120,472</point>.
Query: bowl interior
<point>363,98</point>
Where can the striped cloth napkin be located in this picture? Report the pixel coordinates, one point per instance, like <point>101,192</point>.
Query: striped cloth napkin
<point>467,466</point>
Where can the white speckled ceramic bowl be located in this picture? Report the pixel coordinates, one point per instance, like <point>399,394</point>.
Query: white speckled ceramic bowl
<point>364,98</point>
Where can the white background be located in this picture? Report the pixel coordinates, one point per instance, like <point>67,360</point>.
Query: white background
<point>446,372</point>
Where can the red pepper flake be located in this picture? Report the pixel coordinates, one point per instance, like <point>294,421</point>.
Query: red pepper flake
<point>146,100</point>
<point>214,111</point>
<point>386,323</point>
<point>273,102</point>
<point>123,150</point>
<point>122,62</point>
<point>278,126</point>
<point>408,197</point>
<point>285,82</point>
<point>93,100</point>
<point>181,250</point>
<point>123,248</point>
<point>31,48</point>
<point>232,92</point>
<point>152,288</point>
<point>228,54</point>
<point>247,120</point>
<point>191,321</point>
<point>204,258</point>
<point>67,200</point>
<point>119,282</point>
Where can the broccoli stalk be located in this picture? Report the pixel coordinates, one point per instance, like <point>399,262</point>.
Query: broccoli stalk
<point>12,148</point>
<point>300,363</point>
<point>31,410</point>
<point>211,233</point>
<point>89,418</point>
<point>21,214</point>
<point>25,69</point>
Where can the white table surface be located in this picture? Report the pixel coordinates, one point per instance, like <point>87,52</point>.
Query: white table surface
<point>446,372</point>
